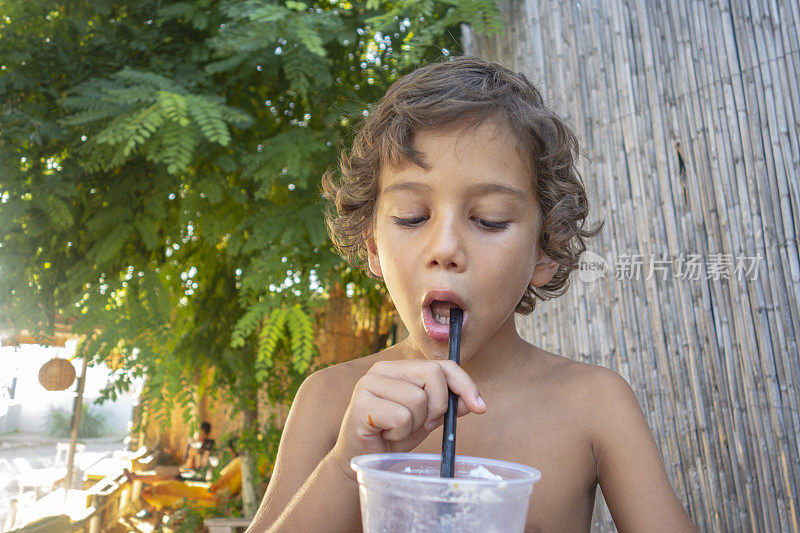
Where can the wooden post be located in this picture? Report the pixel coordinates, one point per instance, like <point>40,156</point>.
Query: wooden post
<point>249,503</point>
<point>144,419</point>
<point>76,422</point>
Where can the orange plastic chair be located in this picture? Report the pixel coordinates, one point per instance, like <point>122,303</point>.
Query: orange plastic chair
<point>169,493</point>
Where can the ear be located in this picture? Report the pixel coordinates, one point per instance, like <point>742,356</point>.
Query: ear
<point>373,261</point>
<point>544,270</point>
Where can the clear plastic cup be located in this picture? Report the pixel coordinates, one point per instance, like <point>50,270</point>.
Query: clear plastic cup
<point>403,492</point>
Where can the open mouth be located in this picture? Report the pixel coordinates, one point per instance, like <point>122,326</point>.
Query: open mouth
<point>440,310</point>
<point>436,313</point>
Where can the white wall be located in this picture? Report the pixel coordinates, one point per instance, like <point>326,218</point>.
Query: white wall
<point>24,363</point>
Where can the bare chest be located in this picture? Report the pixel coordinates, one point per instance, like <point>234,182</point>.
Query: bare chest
<point>552,442</point>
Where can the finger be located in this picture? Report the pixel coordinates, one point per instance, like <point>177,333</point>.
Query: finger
<point>391,419</point>
<point>460,383</point>
<point>436,422</point>
<point>427,375</point>
<point>420,372</point>
<point>464,409</point>
<point>405,393</point>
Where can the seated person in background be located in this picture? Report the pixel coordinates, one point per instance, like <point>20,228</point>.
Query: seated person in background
<point>198,451</point>
<point>195,464</point>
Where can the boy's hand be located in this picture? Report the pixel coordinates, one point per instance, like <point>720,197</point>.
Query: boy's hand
<point>398,403</point>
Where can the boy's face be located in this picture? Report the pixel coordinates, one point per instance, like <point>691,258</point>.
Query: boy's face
<point>463,232</point>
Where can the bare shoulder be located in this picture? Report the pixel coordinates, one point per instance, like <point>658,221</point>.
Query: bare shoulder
<point>598,381</point>
<point>355,368</point>
<point>311,430</point>
<point>342,377</point>
<point>330,388</point>
<point>630,468</point>
<point>580,379</point>
<point>326,393</point>
<point>610,407</point>
<point>607,395</point>
<point>592,392</point>
<point>603,400</point>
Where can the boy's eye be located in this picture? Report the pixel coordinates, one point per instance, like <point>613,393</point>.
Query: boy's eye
<point>409,222</point>
<point>490,225</point>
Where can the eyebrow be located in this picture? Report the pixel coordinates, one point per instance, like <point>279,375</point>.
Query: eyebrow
<point>479,189</point>
<point>497,188</point>
<point>415,186</point>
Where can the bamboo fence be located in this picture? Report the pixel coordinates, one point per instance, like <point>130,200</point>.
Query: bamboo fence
<point>688,113</point>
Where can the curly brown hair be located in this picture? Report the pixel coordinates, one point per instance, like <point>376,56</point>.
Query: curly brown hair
<point>472,90</point>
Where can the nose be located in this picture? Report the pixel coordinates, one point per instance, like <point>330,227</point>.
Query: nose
<point>446,244</point>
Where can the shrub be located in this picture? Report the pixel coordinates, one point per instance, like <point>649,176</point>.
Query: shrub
<point>93,423</point>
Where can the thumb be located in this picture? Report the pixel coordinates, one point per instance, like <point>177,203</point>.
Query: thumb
<point>474,404</point>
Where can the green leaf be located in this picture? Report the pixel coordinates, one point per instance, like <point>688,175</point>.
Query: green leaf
<point>301,329</point>
<point>174,107</point>
<point>154,297</point>
<point>175,11</point>
<point>58,212</point>
<point>272,332</point>
<point>110,246</point>
<point>303,29</point>
<point>297,6</point>
<point>248,323</point>
<point>148,232</point>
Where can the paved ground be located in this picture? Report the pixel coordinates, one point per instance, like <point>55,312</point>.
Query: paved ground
<point>39,452</point>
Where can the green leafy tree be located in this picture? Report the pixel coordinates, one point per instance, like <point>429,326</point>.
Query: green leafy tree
<point>159,171</point>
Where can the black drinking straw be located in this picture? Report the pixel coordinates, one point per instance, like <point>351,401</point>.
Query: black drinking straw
<point>449,434</point>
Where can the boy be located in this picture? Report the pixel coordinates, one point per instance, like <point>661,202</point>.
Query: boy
<point>461,190</point>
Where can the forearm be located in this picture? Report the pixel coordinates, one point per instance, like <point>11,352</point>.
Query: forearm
<point>327,501</point>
